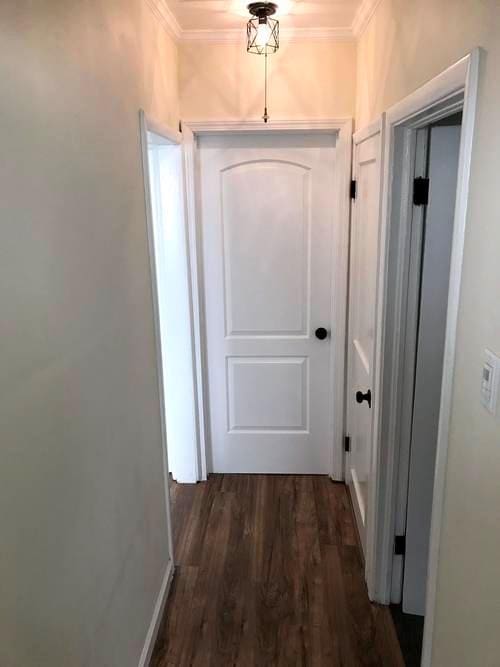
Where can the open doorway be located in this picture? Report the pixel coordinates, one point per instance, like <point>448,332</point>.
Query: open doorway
<point>436,155</point>
<point>169,249</point>
<point>428,139</point>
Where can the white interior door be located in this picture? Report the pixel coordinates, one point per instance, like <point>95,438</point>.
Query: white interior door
<point>267,216</point>
<point>444,148</point>
<point>365,223</point>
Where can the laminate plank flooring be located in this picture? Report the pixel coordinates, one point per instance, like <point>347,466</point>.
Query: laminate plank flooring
<point>269,572</point>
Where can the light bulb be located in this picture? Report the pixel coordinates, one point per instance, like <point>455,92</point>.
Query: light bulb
<point>263,35</point>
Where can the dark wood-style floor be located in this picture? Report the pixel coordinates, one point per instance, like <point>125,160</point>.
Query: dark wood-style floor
<point>270,573</point>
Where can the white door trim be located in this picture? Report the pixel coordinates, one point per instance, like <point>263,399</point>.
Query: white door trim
<point>152,125</point>
<point>194,252</point>
<point>458,83</point>
<point>368,131</point>
<point>326,126</point>
<point>343,128</point>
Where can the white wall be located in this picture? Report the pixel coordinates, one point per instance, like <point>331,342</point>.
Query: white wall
<point>306,80</point>
<point>83,545</point>
<point>405,45</point>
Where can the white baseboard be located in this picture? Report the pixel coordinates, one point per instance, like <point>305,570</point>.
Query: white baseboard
<point>154,626</point>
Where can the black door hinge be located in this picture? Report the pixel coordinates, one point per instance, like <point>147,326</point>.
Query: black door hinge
<point>347,443</point>
<point>352,190</point>
<point>420,191</point>
<point>400,545</point>
<point>180,126</point>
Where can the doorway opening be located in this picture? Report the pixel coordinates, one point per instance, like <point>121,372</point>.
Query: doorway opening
<point>169,241</point>
<point>435,149</point>
<point>427,147</point>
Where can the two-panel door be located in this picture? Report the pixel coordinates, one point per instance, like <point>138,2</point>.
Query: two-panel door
<point>364,249</point>
<point>266,227</point>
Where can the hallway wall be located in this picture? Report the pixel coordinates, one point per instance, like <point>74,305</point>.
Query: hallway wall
<point>83,545</point>
<point>306,80</point>
<point>405,45</point>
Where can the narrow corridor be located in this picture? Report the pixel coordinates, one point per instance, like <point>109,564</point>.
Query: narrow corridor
<point>269,572</point>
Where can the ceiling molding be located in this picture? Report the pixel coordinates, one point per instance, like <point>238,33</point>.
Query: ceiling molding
<point>363,15</point>
<point>166,17</point>
<point>238,35</point>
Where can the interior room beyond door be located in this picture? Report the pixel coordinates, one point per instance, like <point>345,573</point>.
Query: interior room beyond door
<point>170,245</point>
<point>443,154</point>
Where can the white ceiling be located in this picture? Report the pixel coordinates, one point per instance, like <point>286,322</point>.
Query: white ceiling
<point>231,14</point>
<point>224,20</point>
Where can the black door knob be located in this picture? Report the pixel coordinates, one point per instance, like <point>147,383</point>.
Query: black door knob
<point>360,397</point>
<point>321,333</point>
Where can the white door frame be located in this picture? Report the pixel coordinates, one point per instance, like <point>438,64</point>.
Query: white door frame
<point>454,89</point>
<point>343,129</point>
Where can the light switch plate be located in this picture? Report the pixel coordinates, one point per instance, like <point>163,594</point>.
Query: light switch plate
<point>490,381</point>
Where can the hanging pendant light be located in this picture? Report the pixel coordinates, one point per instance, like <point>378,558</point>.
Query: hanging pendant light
<point>263,37</point>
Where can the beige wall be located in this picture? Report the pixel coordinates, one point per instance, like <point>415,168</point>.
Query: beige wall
<point>406,44</point>
<point>306,80</point>
<point>82,541</point>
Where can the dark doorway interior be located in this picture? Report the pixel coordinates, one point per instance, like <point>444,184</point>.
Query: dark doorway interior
<point>410,631</point>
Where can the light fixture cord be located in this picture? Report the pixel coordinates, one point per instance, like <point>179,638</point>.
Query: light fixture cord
<point>265,116</point>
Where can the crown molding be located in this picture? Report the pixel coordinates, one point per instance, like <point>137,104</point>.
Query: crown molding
<point>166,18</point>
<point>238,35</point>
<point>363,15</point>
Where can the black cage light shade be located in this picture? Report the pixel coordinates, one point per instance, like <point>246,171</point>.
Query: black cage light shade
<point>262,30</point>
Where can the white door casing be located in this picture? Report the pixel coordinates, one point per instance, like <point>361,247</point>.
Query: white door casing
<point>266,226</point>
<point>365,226</point>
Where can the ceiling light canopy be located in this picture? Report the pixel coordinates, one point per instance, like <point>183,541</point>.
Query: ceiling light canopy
<point>262,30</point>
